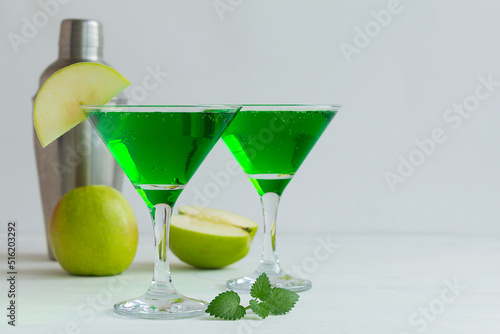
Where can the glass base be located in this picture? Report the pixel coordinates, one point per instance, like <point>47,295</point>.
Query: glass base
<point>278,280</point>
<point>156,306</point>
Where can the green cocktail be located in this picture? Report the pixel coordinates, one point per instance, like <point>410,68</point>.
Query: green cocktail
<point>270,146</point>
<point>159,148</point>
<point>270,142</point>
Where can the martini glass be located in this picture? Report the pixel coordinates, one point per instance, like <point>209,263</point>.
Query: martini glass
<point>159,148</point>
<point>270,142</point>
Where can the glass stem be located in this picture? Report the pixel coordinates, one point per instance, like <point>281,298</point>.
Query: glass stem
<point>162,281</point>
<point>269,261</point>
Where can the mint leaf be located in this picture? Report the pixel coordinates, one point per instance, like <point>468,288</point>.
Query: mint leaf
<point>226,306</point>
<point>261,288</point>
<point>282,301</point>
<point>261,309</point>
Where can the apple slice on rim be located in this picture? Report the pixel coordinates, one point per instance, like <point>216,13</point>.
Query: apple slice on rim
<point>57,105</point>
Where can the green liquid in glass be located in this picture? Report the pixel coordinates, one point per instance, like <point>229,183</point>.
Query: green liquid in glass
<point>270,146</point>
<point>158,150</point>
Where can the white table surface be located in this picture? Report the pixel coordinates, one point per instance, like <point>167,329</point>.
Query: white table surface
<point>368,284</point>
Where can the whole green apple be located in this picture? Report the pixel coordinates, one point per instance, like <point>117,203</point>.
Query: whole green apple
<point>93,231</point>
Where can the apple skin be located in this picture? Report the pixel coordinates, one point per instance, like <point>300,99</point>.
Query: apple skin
<point>213,246</point>
<point>93,231</point>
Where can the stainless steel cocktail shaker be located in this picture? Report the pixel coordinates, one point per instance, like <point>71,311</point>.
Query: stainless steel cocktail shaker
<point>78,158</point>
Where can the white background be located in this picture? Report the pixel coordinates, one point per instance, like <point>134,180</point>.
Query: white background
<point>393,92</point>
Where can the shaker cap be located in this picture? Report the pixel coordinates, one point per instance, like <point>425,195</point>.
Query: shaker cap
<point>81,39</point>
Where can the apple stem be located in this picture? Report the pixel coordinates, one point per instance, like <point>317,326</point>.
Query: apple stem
<point>162,281</point>
<point>269,262</point>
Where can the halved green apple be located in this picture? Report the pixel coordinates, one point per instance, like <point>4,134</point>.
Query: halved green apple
<point>210,238</point>
<point>57,104</point>
<point>221,217</point>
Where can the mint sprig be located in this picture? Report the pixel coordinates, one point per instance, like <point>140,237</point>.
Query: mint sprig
<point>275,301</point>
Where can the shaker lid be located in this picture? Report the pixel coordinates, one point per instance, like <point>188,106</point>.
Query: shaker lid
<point>78,37</point>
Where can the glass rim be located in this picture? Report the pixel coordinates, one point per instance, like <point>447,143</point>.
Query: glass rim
<point>211,107</point>
<point>159,107</point>
<point>289,107</point>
